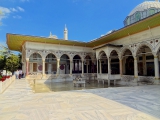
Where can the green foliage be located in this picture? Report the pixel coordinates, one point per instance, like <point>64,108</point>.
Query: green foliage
<point>20,59</point>
<point>2,62</point>
<point>12,63</point>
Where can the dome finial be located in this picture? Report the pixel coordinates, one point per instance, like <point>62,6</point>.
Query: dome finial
<point>65,28</point>
<point>50,33</point>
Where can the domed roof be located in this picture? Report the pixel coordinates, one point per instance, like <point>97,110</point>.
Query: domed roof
<point>145,5</point>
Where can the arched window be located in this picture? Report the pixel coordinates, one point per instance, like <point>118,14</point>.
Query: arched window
<point>151,11</point>
<point>138,16</point>
<point>128,21</point>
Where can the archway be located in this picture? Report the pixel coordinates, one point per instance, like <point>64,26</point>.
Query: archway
<point>35,63</point>
<point>114,63</point>
<point>103,63</point>
<point>87,64</point>
<point>50,64</point>
<point>77,64</point>
<point>64,64</point>
<point>128,63</point>
<point>145,61</point>
<point>159,59</point>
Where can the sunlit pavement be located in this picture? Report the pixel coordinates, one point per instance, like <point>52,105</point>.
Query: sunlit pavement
<point>20,102</point>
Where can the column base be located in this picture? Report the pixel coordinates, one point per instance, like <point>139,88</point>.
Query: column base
<point>44,76</point>
<point>135,80</point>
<point>156,81</point>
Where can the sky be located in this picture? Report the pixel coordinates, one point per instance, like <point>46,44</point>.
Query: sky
<point>85,19</point>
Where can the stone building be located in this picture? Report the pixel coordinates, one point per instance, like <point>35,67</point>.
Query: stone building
<point>131,52</point>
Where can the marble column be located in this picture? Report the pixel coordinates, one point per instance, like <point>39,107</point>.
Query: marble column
<point>135,68</point>
<point>144,65</point>
<point>87,66</point>
<point>109,66</point>
<point>82,67</point>
<point>27,66</point>
<point>43,71</point>
<point>156,67</point>
<point>97,66</point>
<point>120,66</point>
<point>58,62</point>
<point>71,66</point>
<point>100,67</point>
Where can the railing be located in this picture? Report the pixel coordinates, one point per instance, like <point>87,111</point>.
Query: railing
<point>102,76</point>
<point>34,75</point>
<point>145,80</point>
<point>5,84</point>
<point>127,78</point>
<point>114,76</point>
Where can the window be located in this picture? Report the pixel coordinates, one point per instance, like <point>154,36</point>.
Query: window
<point>138,16</point>
<point>151,11</point>
<point>144,14</point>
<point>128,21</point>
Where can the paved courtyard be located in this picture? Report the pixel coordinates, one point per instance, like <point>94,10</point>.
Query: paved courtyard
<point>19,102</point>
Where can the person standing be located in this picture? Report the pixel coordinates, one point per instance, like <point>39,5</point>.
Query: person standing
<point>20,74</point>
<point>17,74</point>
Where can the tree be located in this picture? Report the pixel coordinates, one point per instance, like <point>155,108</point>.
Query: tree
<point>2,62</point>
<point>12,63</point>
<point>20,60</point>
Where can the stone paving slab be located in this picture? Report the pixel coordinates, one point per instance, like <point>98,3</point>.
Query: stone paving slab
<point>143,98</point>
<point>19,102</point>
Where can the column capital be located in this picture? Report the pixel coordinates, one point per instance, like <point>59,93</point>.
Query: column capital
<point>27,59</point>
<point>58,59</point>
<point>120,57</point>
<point>82,60</point>
<point>43,59</point>
<point>155,56</point>
<point>135,58</point>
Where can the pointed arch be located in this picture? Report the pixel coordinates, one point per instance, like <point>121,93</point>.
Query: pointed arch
<point>66,55</point>
<point>100,53</point>
<point>33,53</point>
<point>113,49</point>
<point>141,45</point>
<point>50,53</point>
<point>157,48</point>
<point>123,50</point>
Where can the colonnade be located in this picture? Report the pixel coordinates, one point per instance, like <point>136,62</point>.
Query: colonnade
<point>71,66</point>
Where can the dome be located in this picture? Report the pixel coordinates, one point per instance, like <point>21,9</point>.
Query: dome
<point>142,11</point>
<point>144,6</point>
<point>52,36</point>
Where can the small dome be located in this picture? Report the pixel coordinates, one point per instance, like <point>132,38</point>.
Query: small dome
<point>144,6</point>
<point>52,36</point>
<point>142,11</point>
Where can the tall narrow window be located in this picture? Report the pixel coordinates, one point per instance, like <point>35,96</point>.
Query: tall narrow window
<point>151,11</point>
<point>138,16</point>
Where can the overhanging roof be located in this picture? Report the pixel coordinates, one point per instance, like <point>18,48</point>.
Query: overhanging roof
<point>15,41</point>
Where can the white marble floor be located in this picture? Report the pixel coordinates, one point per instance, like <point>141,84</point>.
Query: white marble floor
<point>18,102</point>
<point>143,98</point>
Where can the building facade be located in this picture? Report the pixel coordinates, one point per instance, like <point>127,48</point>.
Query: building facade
<point>131,52</point>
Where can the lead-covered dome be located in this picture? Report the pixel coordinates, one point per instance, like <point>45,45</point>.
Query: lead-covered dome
<point>142,11</point>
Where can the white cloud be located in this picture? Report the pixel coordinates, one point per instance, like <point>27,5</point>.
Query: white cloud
<point>4,12</point>
<point>17,17</point>
<point>20,9</point>
<point>14,10</point>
